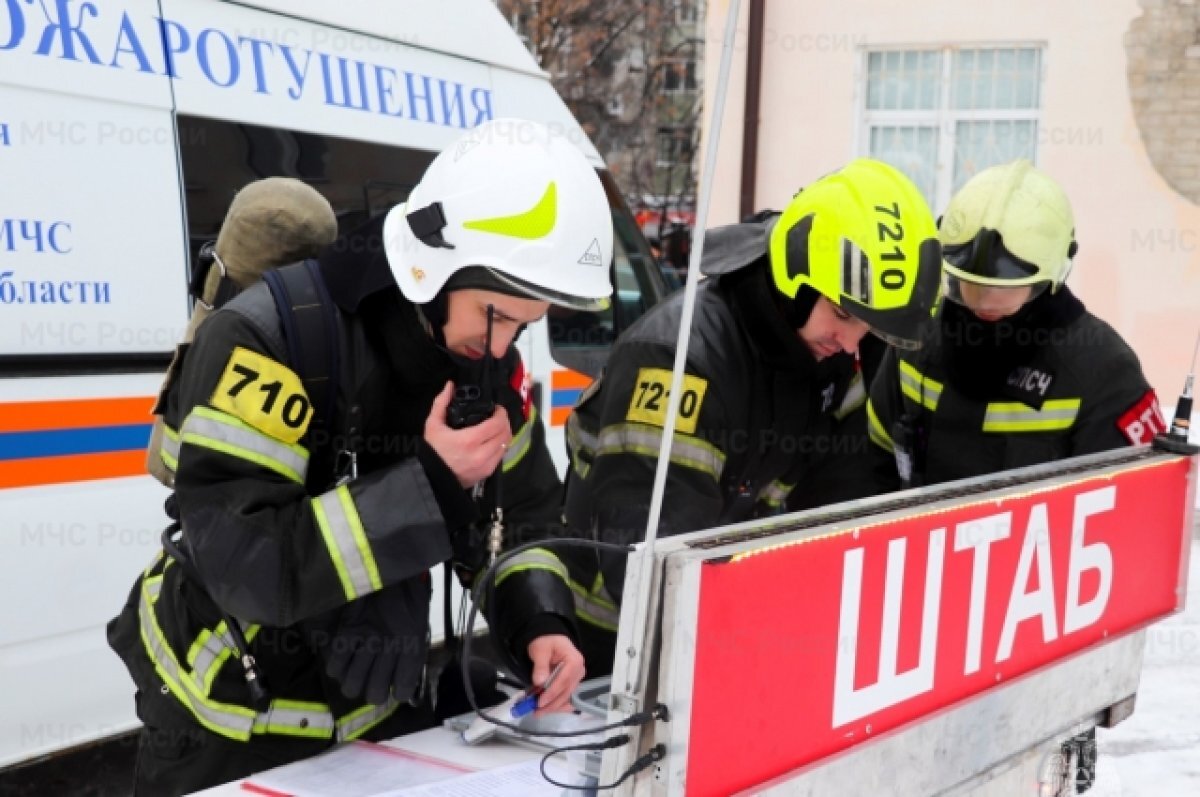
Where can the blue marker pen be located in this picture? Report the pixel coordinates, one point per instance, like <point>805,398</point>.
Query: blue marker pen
<point>529,703</point>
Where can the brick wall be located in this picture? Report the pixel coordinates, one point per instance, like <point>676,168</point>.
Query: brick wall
<point>1163,47</point>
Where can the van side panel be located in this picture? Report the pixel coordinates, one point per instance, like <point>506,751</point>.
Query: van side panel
<point>92,263</point>
<point>68,555</point>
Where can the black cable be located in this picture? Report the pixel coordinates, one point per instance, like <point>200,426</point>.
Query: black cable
<point>657,753</point>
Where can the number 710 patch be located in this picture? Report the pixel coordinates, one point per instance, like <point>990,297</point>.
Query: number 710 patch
<point>651,393</point>
<point>265,394</point>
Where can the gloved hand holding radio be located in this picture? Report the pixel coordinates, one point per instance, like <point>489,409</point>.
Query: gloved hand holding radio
<point>380,642</point>
<point>472,453</point>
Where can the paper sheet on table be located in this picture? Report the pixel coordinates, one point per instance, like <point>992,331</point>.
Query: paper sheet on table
<point>358,769</point>
<point>518,780</point>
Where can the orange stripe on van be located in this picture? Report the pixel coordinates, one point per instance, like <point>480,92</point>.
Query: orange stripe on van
<point>559,415</point>
<point>32,416</point>
<point>75,468</point>
<point>569,379</point>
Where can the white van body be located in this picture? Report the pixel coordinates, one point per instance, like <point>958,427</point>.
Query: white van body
<point>125,128</point>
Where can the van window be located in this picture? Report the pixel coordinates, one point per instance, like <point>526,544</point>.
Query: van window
<point>359,179</point>
<point>581,340</point>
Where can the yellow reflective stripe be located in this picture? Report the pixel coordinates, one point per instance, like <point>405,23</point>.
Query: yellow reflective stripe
<point>595,606</point>
<point>919,388</point>
<point>296,718</point>
<point>169,448</point>
<point>592,605</point>
<point>578,437</point>
<point>282,717</point>
<point>856,396</point>
<point>533,559</point>
<point>222,432</point>
<point>346,540</point>
<point>537,222</point>
<point>363,719</point>
<point>1054,415</point>
<point>876,432</point>
<point>580,443</point>
<point>636,438</point>
<point>204,639</point>
<point>519,445</point>
<point>235,722</point>
<point>217,649</point>
<point>153,586</point>
<point>775,493</point>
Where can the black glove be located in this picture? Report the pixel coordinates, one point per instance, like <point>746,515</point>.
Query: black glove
<point>380,643</point>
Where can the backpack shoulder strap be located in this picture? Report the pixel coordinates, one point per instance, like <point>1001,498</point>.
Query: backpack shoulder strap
<point>310,327</point>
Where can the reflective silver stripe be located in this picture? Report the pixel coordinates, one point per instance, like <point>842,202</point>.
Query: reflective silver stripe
<point>346,540</point>
<point>855,397</point>
<point>1054,415</point>
<point>592,606</point>
<point>596,607</point>
<point>856,273</point>
<point>581,445</point>
<point>214,648</point>
<point>776,493</point>
<point>918,387</point>
<point>283,717</point>
<point>169,448</point>
<point>519,445</point>
<point>232,721</point>
<point>153,587</point>
<point>580,438</point>
<point>293,718</point>
<point>636,438</point>
<point>221,432</point>
<point>534,559</point>
<point>359,722</point>
<point>876,432</point>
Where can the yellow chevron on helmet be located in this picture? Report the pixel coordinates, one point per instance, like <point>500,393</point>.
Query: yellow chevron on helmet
<point>514,198</point>
<point>864,238</point>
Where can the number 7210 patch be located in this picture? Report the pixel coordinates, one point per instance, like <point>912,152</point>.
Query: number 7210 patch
<point>652,392</point>
<point>265,394</point>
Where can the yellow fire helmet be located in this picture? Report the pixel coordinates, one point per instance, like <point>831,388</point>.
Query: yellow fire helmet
<point>863,237</point>
<point>1009,226</point>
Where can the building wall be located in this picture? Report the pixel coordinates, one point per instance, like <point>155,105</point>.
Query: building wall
<point>1120,113</point>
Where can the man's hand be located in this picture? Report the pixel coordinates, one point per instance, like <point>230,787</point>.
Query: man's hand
<point>547,651</point>
<point>473,453</point>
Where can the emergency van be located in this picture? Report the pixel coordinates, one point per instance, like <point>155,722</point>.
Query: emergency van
<point>126,127</point>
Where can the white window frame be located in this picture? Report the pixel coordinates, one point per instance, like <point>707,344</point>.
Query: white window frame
<point>943,117</point>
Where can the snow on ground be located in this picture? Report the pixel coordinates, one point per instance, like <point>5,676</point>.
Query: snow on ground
<point>1156,752</point>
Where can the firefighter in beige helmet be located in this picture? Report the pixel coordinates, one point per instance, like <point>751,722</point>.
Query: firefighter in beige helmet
<point>1016,371</point>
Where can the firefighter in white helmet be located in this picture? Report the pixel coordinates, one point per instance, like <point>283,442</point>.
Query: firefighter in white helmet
<point>309,526</point>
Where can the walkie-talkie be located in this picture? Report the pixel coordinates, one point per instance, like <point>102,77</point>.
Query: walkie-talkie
<point>474,404</point>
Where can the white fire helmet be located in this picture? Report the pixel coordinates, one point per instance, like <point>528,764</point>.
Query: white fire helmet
<point>517,199</point>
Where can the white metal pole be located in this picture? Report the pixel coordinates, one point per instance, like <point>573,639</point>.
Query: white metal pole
<point>642,587</point>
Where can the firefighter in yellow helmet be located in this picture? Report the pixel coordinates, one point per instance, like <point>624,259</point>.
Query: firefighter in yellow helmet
<point>771,392</point>
<point>1016,372</point>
